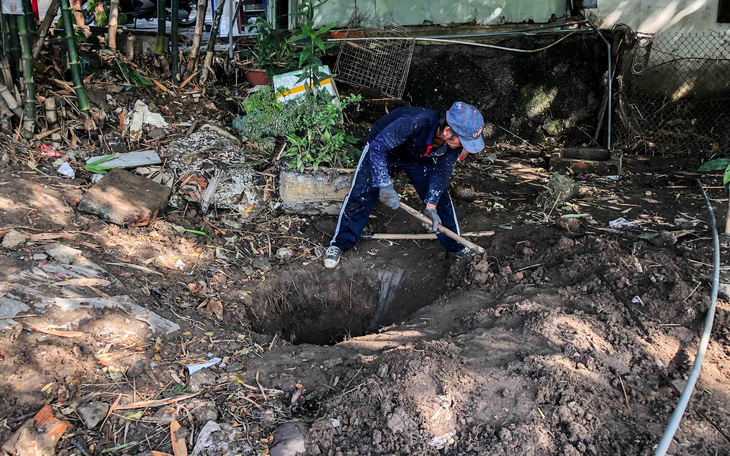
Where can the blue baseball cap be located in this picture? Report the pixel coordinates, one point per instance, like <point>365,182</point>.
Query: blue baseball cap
<point>468,123</point>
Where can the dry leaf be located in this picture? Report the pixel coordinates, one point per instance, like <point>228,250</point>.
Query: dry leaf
<point>178,444</point>
<point>214,306</point>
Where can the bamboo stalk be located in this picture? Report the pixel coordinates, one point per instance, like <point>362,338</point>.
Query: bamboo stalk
<point>45,26</point>
<point>161,24</point>
<point>195,50</point>
<point>14,45</point>
<point>9,82</point>
<point>52,119</point>
<point>211,42</point>
<point>10,100</point>
<point>28,82</point>
<point>29,17</point>
<point>113,22</point>
<point>73,63</point>
<point>174,41</point>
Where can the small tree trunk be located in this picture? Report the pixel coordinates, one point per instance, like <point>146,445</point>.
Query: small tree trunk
<point>727,217</point>
<point>113,19</point>
<point>199,25</point>
<point>161,21</point>
<point>45,26</point>
<point>211,41</point>
<point>28,82</point>
<point>73,63</point>
<point>174,40</point>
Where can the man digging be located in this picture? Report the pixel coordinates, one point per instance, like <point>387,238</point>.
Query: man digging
<point>425,144</point>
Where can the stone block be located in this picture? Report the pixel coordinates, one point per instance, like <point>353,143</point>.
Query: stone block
<point>597,161</point>
<point>124,198</point>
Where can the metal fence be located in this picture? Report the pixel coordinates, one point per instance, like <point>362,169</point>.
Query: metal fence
<point>672,94</point>
<point>375,53</point>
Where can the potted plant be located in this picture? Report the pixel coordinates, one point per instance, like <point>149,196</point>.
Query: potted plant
<point>271,53</point>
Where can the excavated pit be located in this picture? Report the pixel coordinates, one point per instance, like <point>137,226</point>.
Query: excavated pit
<point>326,307</point>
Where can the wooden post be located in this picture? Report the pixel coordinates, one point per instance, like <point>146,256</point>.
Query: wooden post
<point>441,229</point>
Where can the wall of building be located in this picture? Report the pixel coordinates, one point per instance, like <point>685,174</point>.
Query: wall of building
<point>649,16</point>
<point>652,16</point>
<point>486,12</point>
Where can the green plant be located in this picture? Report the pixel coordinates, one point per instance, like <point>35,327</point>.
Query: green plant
<point>317,140</point>
<point>313,47</point>
<point>266,116</point>
<point>97,167</point>
<point>199,232</point>
<point>100,10</point>
<point>271,51</point>
<point>720,164</point>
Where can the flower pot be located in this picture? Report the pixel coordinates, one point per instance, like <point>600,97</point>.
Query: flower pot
<point>257,76</point>
<point>313,193</point>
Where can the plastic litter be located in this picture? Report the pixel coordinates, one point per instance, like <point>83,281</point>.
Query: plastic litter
<point>193,368</point>
<point>66,170</point>
<point>622,223</point>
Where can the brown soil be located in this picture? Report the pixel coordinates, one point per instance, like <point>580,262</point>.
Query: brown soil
<point>560,340</point>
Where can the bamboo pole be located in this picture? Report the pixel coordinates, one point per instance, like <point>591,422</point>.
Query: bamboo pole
<point>10,100</point>
<point>9,82</point>
<point>211,42</point>
<point>420,236</point>
<point>199,25</point>
<point>161,25</point>
<point>29,17</point>
<point>45,26</point>
<point>52,119</point>
<point>443,230</point>
<point>14,45</point>
<point>73,63</point>
<point>174,41</point>
<point>113,22</point>
<point>28,82</point>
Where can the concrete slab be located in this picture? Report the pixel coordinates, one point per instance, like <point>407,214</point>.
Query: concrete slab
<point>125,199</point>
<point>130,159</point>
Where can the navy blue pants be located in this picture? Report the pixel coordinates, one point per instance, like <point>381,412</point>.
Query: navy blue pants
<point>362,197</point>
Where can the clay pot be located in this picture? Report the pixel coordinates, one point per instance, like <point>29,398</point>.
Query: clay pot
<point>257,76</point>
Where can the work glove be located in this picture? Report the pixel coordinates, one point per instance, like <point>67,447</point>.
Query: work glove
<point>436,220</point>
<point>389,197</point>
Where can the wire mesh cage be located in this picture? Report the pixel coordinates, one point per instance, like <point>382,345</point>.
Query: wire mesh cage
<point>376,54</point>
<point>673,94</point>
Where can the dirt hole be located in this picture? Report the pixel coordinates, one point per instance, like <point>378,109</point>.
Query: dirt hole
<point>323,309</point>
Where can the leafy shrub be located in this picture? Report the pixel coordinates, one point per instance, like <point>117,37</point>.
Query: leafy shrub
<point>317,140</point>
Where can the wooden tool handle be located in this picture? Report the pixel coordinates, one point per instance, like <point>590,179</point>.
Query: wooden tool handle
<point>472,246</point>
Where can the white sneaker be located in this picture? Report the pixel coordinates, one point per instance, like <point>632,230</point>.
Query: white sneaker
<point>463,253</point>
<point>332,257</point>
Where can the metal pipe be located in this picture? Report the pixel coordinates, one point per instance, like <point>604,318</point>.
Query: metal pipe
<point>536,30</point>
<point>610,80</point>
<point>695,373</point>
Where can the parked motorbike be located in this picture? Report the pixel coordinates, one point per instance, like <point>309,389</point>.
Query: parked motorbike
<point>147,9</point>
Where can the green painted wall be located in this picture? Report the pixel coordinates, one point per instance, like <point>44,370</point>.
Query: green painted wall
<point>404,12</point>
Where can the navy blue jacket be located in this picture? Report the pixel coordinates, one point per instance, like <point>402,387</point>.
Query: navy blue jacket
<point>406,134</point>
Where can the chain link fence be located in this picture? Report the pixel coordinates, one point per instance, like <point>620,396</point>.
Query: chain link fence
<point>672,94</point>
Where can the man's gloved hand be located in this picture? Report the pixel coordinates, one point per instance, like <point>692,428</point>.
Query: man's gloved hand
<point>389,197</point>
<point>431,213</point>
